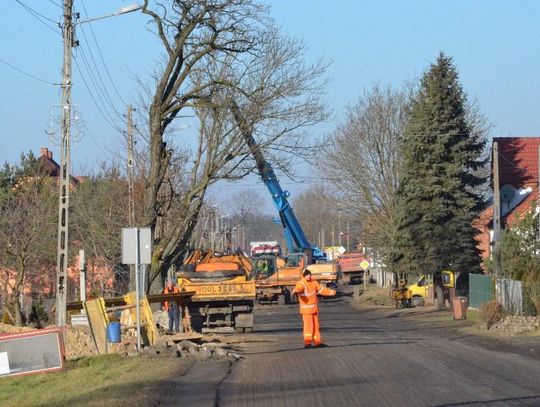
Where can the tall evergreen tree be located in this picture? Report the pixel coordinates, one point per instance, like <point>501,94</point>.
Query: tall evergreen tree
<point>439,194</point>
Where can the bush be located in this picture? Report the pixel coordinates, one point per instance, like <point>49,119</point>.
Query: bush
<point>38,315</point>
<point>491,312</point>
<point>6,319</point>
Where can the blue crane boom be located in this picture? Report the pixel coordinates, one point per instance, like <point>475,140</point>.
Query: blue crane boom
<point>294,235</point>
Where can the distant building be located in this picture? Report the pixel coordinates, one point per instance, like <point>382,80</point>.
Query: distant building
<point>52,169</point>
<point>518,182</point>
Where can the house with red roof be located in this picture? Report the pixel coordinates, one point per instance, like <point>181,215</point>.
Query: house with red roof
<point>518,183</point>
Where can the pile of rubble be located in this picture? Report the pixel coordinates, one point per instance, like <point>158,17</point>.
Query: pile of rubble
<point>199,348</point>
<point>78,342</point>
<point>513,325</point>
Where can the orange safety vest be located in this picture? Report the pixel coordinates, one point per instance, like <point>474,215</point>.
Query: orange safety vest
<point>166,304</point>
<point>307,295</point>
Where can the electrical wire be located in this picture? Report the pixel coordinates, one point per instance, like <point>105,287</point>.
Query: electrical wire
<point>101,94</point>
<point>56,4</point>
<point>39,17</point>
<point>101,57</point>
<point>26,73</point>
<point>105,117</point>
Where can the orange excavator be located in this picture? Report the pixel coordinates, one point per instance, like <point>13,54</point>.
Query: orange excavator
<point>276,276</point>
<point>224,291</point>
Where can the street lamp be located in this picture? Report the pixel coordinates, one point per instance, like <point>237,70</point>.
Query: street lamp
<point>65,155</point>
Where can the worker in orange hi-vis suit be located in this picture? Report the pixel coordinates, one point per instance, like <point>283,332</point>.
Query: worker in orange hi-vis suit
<point>307,290</point>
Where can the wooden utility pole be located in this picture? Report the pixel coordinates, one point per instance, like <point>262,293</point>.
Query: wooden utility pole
<point>65,162</point>
<point>496,212</point>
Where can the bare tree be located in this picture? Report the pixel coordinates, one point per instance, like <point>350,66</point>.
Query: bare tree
<point>245,205</point>
<point>317,213</point>
<point>363,162</point>
<point>27,238</point>
<point>219,54</point>
<point>100,210</point>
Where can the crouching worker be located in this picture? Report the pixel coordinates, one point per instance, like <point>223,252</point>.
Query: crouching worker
<point>307,290</point>
<point>172,307</point>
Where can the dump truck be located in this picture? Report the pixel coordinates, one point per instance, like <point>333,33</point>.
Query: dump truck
<point>351,267</point>
<point>224,291</point>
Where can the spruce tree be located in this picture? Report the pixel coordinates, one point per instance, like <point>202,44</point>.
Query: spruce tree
<point>438,196</point>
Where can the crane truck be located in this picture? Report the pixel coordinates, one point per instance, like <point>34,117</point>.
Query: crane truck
<point>276,276</point>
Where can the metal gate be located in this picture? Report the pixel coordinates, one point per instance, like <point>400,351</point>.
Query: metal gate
<point>481,289</point>
<point>510,295</point>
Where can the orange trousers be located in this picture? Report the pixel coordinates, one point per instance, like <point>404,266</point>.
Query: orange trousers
<point>311,329</point>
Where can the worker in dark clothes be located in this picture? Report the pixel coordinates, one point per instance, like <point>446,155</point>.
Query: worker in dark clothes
<point>172,307</point>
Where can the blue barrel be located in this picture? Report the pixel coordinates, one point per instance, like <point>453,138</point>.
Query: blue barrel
<point>113,332</point>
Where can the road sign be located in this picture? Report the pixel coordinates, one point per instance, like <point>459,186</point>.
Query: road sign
<point>137,250</point>
<point>364,264</point>
<point>131,243</point>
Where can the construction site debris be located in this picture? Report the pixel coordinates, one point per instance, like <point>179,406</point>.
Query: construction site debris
<point>11,329</point>
<point>78,342</point>
<point>198,348</point>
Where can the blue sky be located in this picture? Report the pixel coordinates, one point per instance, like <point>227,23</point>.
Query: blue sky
<point>494,45</point>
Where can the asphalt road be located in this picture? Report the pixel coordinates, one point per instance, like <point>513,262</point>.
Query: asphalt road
<point>372,359</point>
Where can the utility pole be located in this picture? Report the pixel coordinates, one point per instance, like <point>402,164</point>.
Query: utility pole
<point>130,166</point>
<point>65,162</point>
<point>131,194</point>
<point>496,211</point>
<point>348,236</point>
<point>538,202</point>
<point>339,227</point>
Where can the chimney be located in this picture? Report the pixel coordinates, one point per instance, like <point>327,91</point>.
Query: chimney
<point>44,151</point>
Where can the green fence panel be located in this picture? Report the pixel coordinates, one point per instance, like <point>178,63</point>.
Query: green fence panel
<point>481,289</point>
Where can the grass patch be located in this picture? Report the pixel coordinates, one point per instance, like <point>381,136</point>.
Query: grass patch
<point>96,381</point>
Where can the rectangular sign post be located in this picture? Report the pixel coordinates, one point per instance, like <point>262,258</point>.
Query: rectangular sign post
<point>137,250</point>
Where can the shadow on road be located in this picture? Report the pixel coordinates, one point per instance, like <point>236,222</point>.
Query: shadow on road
<point>495,401</point>
<point>330,346</point>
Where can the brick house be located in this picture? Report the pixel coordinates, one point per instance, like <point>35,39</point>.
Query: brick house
<point>518,183</point>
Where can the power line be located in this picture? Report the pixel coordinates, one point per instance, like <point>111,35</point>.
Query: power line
<point>107,119</point>
<point>96,75</point>
<point>55,3</point>
<point>26,73</point>
<point>102,95</point>
<point>39,17</point>
<point>102,59</point>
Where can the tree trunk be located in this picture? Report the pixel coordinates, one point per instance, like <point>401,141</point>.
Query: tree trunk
<point>17,291</point>
<point>172,250</point>
<point>16,309</point>
<point>440,295</point>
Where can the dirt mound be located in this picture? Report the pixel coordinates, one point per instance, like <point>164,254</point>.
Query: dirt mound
<point>78,342</point>
<point>11,329</point>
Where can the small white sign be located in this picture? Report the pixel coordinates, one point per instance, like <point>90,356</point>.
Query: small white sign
<point>4,363</point>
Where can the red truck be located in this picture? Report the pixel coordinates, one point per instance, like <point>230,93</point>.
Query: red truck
<point>352,267</point>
